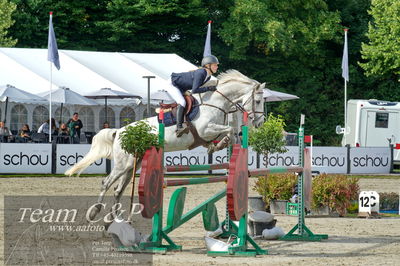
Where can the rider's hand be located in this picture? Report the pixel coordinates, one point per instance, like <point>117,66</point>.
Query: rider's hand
<point>212,88</point>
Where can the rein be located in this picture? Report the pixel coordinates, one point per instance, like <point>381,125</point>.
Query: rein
<point>237,106</point>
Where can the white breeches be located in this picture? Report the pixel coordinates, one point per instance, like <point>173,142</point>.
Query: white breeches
<point>175,93</point>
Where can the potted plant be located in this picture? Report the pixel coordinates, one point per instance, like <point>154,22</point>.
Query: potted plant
<point>276,190</point>
<point>135,140</point>
<point>267,139</point>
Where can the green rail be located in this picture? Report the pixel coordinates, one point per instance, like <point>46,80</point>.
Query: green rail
<point>181,168</point>
<point>194,181</point>
<point>277,169</point>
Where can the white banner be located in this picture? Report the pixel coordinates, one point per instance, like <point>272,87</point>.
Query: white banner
<point>70,154</point>
<point>329,160</point>
<point>36,158</point>
<point>197,156</point>
<point>370,160</point>
<point>18,158</point>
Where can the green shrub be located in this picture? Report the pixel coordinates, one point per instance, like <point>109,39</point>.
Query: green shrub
<point>137,139</point>
<point>275,187</point>
<point>335,191</point>
<point>338,192</point>
<point>269,138</point>
<point>388,201</point>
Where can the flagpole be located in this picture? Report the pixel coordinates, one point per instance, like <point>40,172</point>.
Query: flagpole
<point>345,75</point>
<point>345,110</point>
<point>50,99</point>
<point>51,88</point>
<point>53,57</point>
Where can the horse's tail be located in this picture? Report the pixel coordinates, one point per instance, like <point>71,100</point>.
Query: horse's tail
<point>102,147</point>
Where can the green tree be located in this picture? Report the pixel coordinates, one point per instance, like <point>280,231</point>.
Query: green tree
<point>290,27</point>
<point>73,20</point>
<point>6,10</point>
<point>382,52</point>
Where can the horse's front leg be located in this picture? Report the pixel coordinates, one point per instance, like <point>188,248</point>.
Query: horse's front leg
<point>216,129</point>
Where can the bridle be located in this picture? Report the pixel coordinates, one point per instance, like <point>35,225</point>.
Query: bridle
<point>252,114</point>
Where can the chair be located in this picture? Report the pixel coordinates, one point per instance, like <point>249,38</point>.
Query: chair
<point>89,136</point>
<point>3,138</point>
<point>39,138</point>
<point>61,139</point>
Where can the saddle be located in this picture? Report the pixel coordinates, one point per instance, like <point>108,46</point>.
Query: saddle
<point>191,110</point>
<point>167,107</point>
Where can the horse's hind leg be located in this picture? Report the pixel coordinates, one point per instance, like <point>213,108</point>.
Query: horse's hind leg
<point>116,173</point>
<point>123,183</point>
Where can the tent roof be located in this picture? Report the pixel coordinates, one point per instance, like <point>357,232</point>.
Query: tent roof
<point>83,71</point>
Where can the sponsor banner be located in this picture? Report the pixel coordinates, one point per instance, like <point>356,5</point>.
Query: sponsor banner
<point>289,158</point>
<point>197,156</point>
<point>61,230</point>
<point>370,160</point>
<point>220,157</point>
<point>36,158</point>
<point>70,154</point>
<point>25,158</point>
<point>329,159</point>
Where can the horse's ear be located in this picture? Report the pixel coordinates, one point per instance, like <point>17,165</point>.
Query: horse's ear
<point>262,86</point>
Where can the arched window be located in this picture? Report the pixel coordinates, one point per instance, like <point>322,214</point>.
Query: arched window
<point>110,117</point>
<point>19,117</point>
<point>127,116</point>
<point>66,115</point>
<point>152,113</point>
<point>86,115</point>
<point>40,114</point>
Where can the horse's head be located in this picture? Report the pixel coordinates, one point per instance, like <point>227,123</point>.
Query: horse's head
<point>254,104</point>
<point>245,93</point>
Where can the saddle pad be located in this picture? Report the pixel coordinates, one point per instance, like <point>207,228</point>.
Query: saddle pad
<point>170,119</point>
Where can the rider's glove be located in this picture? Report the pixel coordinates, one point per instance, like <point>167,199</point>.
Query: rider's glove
<point>212,88</point>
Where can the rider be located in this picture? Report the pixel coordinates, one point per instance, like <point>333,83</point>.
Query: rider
<point>192,80</point>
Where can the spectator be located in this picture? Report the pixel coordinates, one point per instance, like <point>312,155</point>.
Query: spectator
<point>5,133</point>
<point>106,125</point>
<point>44,128</point>
<point>75,125</point>
<point>24,134</point>
<point>63,134</point>
<point>64,131</point>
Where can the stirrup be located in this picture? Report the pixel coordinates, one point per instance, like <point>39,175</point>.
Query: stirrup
<point>181,130</point>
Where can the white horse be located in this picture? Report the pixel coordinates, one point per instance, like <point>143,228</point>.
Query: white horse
<point>235,92</point>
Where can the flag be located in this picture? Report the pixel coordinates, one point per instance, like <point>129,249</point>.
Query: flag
<point>345,59</point>
<point>207,45</point>
<point>52,53</point>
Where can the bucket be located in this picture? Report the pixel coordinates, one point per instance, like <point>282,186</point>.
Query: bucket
<point>256,228</point>
<point>278,206</point>
<point>256,203</point>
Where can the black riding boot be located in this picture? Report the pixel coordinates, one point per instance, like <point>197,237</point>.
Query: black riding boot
<point>180,130</point>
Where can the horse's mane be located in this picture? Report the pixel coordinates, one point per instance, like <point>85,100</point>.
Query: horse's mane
<point>233,74</point>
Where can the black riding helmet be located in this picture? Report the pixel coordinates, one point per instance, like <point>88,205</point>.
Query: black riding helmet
<point>209,59</point>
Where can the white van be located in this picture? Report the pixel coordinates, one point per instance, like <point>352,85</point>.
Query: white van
<point>373,123</point>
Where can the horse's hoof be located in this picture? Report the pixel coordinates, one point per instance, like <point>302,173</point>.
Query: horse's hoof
<point>210,149</point>
<point>94,211</point>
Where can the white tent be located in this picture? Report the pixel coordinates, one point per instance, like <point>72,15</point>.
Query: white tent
<point>85,72</point>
